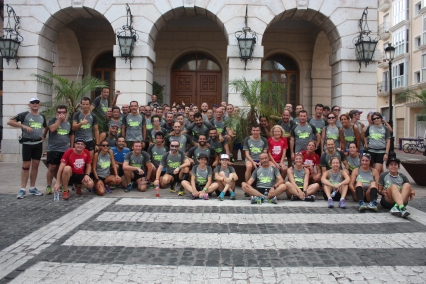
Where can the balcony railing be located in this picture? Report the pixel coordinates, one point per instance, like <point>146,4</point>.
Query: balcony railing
<point>382,87</point>
<point>384,28</point>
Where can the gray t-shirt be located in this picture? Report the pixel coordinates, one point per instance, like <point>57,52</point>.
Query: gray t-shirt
<point>201,176</point>
<point>349,136</point>
<point>332,133</point>
<point>103,165</point>
<point>217,145</point>
<point>157,153</point>
<point>365,177</point>
<point>183,140</point>
<point>299,177</point>
<point>149,125</point>
<point>137,161</point>
<point>219,125</point>
<point>386,180</point>
<point>353,162</point>
<point>134,124</point>
<point>36,122</point>
<point>302,135</point>
<point>119,123</point>
<point>59,140</point>
<point>197,131</point>
<point>227,171</point>
<point>335,179</point>
<point>171,162</point>
<point>326,157</point>
<point>318,123</point>
<point>377,138</point>
<point>265,177</point>
<point>153,132</point>
<point>111,141</point>
<point>195,151</point>
<point>86,130</point>
<point>101,105</point>
<point>255,147</point>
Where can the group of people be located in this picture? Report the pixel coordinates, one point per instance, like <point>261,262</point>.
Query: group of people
<point>193,150</point>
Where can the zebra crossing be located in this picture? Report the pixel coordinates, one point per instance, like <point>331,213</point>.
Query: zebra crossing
<point>195,241</point>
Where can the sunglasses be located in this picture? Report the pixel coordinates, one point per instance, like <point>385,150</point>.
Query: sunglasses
<point>375,118</point>
<point>61,112</point>
<point>331,117</point>
<point>336,109</point>
<point>368,156</point>
<point>35,102</point>
<point>105,145</point>
<point>174,146</point>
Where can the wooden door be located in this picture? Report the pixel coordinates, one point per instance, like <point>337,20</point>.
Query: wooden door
<point>107,75</point>
<point>183,87</point>
<point>209,88</point>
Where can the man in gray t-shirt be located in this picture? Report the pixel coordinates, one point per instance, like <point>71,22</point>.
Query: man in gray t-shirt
<point>134,126</point>
<point>269,183</point>
<point>253,146</point>
<point>137,167</point>
<point>85,125</point>
<point>301,134</point>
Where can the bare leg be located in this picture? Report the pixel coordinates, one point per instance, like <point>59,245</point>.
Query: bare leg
<point>249,168</point>
<point>250,190</point>
<point>52,171</point>
<point>65,178</point>
<point>34,172</point>
<point>25,173</point>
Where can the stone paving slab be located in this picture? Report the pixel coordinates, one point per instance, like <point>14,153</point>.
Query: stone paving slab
<point>47,272</point>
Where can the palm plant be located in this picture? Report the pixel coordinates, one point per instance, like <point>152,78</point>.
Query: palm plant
<point>68,93</point>
<point>417,97</point>
<point>263,98</point>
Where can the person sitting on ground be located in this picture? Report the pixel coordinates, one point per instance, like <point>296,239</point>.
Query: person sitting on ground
<point>103,162</point>
<point>201,179</point>
<point>395,188</point>
<point>177,168</point>
<point>277,148</point>
<point>253,146</point>
<point>156,152</point>
<point>225,177</point>
<point>75,167</point>
<point>120,151</point>
<point>298,187</point>
<point>269,183</point>
<point>110,136</point>
<point>134,166</point>
<point>363,184</point>
<point>311,161</point>
<point>335,183</point>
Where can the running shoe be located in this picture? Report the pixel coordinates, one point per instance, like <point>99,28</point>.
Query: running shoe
<point>330,203</point>
<point>221,196</point>
<point>35,192</point>
<point>253,199</point>
<point>78,191</point>
<point>128,188</point>
<point>173,188</point>
<point>294,198</point>
<point>48,190</point>
<point>372,205</point>
<point>108,189</point>
<point>273,200</point>
<point>112,186</point>
<point>259,200</point>
<point>404,212</point>
<point>342,203</point>
<point>246,194</point>
<point>361,206</point>
<point>180,193</point>
<point>232,197</point>
<point>21,194</point>
<point>65,195</point>
<point>193,196</point>
<point>310,198</point>
<point>395,211</point>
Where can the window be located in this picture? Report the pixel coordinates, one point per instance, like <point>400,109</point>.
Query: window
<point>417,77</point>
<point>424,30</point>
<point>196,61</point>
<point>400,11</point>
<point>399,74</point>
<point>424,68</point>
<point>400,41</point>
<point>417,41</point>
<point>417,8</point>
<point>385,81</point>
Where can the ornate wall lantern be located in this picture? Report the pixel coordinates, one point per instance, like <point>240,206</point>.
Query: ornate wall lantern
<point>364,44</point>
<point>127,37</point>
<point>246,40</point>
<point>11,39</point>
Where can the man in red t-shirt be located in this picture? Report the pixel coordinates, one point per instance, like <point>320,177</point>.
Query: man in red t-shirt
<point>311,161</point>
<point>75,167</point>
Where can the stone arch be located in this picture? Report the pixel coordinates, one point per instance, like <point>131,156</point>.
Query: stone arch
<point>321,71</point>
<point>68,55</point>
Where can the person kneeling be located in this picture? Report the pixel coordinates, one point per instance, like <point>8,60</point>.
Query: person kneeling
<point>335,183</point>
<point>201,179</point>
<point>298,187</point>
<point>269,182</point>
<point>102,163</point>
<point>225,177</point>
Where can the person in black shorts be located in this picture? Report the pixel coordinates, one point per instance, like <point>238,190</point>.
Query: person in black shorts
<point>34,129</point>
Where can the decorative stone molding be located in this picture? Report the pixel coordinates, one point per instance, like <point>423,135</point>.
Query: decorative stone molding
<point>302,4</point>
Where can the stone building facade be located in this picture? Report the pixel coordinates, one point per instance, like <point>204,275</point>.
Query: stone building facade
<point>189,46</point>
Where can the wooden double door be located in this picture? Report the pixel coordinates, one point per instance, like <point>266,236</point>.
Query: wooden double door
<point>196,87</point>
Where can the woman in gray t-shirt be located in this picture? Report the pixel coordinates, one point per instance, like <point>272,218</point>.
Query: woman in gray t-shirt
<point>102,165</point>
<point>298,187</point>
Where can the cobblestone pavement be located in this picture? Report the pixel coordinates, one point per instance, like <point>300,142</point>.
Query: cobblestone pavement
<point>121,240</point>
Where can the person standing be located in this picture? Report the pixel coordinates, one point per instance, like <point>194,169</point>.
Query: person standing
<point>302,133</point>
<point>253,146</point>
<point>319,122</point>
<point>85,125</point>
<point>34,130</point>
<point>133,128</point>
<point>154,101</point>
<point>60,140</point>
<point>116,119</point>
<point>101,103</point>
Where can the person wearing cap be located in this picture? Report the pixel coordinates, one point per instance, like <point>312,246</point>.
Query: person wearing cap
<point>75,167</point>
<point>355,116</point>
<point>364,183</point>
<point>34,130</point>
<point>111,135</point>
<point>326,112</point>
<point>395,188</point>
<point>269,183</point>
<point>85,125</point>
<point>60,140</point>
<point>137,167</point>
<point>201,179</point>
<point>225,177</point>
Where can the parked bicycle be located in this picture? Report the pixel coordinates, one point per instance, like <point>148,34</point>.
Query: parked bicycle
<point>414,145</point>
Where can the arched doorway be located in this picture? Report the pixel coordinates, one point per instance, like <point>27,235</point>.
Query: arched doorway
<point>196,78</point>
<point>104,69</point>
<point>282,69</point>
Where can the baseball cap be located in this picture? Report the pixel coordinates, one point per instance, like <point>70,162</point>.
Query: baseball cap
<point>214,105</point>
<point>353,112</point>
<point>392,159</point>
<point>114,124</point>
<point>224,156</point>
<point>202,155</point>
<point>77,140</point>
<point>35,99</point>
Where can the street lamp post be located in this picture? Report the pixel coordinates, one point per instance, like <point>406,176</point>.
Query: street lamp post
<point>390,53</point>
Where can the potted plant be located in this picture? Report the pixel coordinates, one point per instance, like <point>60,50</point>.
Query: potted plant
<point>416,168</point>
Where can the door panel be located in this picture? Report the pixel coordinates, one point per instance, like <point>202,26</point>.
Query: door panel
<point>183,87</point>
<point>209,87</point>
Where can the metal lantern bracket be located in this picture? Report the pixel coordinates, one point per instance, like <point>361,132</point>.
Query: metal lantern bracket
<point>11,39</point>
<point>127,37</point>
<point>365,44</point>
<point>246,40</point>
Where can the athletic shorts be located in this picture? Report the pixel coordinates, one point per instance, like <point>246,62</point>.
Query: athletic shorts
<point>54,157</point>
<point>388,205</point>
<point>238,146</point>
<point>90,145</point>
<point>377,157</point>
<point>32,152</point>
<point>262,190</point>
<point>138,176</point>
<point>76,178</point>
<point>120,170</point>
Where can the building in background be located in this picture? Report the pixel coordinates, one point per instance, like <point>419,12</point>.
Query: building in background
<point>189,46</point>
<point>403,24</point>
